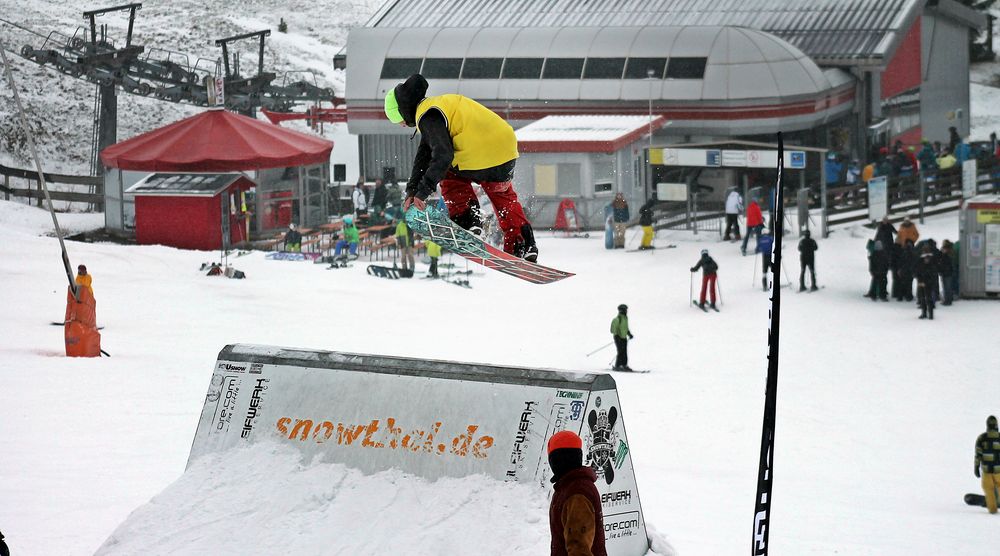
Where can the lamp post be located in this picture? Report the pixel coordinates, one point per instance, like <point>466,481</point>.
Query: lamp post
<point>651,76</point>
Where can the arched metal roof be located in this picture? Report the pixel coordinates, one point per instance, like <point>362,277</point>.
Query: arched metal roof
<point>738,63</point>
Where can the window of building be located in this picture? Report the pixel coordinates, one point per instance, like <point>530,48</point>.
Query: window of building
<point>568,178</point>
<point>638,68</point>
<point>604,68</point>
<point>562,68</point>
<point>400,68</point>
<point>482,68</point>
<point>442,68</point>
<point>522,68</point>
<point>686,68</point>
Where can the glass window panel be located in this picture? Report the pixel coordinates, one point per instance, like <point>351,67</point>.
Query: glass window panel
<point>522,68</point>
<point>686,68</point>
<point>400,68</point>
<point>568,178</point>
<point>442,68</point>
<point>638,68</point>
<point>604,68</point>
<point>562,68</point>
<point>482,68</point>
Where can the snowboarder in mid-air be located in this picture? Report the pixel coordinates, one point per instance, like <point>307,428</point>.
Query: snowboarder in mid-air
<point>988,462</point>
<point>621,334</point>
<point>709,277</point>
<point>461,142</point>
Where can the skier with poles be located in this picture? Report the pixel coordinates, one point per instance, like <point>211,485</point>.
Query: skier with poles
<point>461,142</point>
<point>764,242</point>
<point>709,268</point>
<point>621,334</point>
<point>807,250</point>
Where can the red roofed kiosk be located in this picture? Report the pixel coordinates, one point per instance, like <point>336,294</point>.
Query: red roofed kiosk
<point>585,159</point>
<point>190,211</point>
<point>290,168</point>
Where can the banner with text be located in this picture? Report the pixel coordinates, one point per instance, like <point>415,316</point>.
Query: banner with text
<point>452,420</point>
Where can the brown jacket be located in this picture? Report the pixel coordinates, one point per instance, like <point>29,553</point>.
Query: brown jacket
<point>907,231</point>
<point>575,517</point>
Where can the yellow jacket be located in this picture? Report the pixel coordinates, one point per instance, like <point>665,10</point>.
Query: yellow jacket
<point>481,138</point>
<point>433,249</point>
<point>85,280</point>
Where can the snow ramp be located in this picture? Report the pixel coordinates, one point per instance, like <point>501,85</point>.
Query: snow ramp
<point>442,424</point>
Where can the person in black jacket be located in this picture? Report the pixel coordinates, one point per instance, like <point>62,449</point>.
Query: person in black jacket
<point>944,259</point>
<point>293,239</point>
<point>646,221</point>
<point>807,250</point>
<point>379,198</point>
<point>709,277</point>
<point>927,277</point>
<point>885,232</point>
<point>878,267</point>
<point>903,277</point>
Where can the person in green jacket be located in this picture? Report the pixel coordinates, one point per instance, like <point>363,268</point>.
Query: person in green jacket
<point>621,334</point>
<point>404,242</point>
<point>434,252</point>
<point>350,238</point>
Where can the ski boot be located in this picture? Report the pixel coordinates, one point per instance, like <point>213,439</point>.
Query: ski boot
<point>471,221</point>
<point>813,288</point>
<point>802,288</point>
<point>764,282</point>
<point>525,247</point>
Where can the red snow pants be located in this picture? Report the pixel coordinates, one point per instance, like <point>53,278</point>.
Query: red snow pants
<point>460,197</point>
<point>708,282</point>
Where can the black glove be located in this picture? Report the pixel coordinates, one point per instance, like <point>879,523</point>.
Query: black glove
<point>630,336</point>
<point>976,471</point>
<point>425,189</point>
<point>692,269</point>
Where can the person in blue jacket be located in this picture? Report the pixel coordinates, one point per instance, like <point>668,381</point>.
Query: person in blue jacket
<point>764,243</point>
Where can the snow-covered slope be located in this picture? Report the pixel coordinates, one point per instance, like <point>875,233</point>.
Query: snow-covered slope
<point>877,410</point>
<point>61,108</point>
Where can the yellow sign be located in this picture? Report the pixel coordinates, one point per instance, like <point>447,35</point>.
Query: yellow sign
<point>988,216</point>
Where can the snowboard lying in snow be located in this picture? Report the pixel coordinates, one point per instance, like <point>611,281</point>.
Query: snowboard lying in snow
<point>434,224</point>
<point>975,500</point>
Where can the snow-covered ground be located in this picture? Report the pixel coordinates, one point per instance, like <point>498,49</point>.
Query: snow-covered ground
<point>877,410</point>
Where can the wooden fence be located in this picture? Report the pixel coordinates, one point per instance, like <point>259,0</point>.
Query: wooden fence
<point>24,183</point>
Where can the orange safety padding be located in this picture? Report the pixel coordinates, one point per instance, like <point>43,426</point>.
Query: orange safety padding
<point>82,337</point>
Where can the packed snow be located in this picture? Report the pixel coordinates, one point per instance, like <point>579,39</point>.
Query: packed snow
<point>877,410</point>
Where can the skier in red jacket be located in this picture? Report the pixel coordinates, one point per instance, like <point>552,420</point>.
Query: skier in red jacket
<point>755,223</point>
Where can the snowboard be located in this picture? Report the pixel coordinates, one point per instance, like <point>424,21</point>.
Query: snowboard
<point>975,500</point>
<point>291,256</point>
<point>434,224</point>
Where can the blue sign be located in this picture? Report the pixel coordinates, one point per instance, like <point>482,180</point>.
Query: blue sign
<point>796,159</point>
<point>713,158</point>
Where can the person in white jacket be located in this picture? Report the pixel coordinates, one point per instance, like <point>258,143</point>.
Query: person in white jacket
<point>734,207</point>
<point>360,200</point>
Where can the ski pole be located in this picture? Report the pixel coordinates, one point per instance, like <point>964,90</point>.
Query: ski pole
<point>718,286</point>
<point>600,348</point>
<point>753,279</point>
<point>691,288</point>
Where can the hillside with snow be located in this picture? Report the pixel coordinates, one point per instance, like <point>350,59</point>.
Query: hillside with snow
<point>877,410</point>
<point>61,109</point>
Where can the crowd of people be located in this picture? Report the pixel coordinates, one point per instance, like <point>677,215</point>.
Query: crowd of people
<point>908,259</point>
<point>902,160</point>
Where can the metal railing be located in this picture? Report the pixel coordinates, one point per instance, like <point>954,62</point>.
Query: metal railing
<point>86,189</point>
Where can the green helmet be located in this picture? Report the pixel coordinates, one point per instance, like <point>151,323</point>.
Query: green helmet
<point>392,108</point>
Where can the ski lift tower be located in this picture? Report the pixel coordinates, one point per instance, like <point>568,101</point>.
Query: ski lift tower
<point>245,93</point>
<point>102,59</point>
